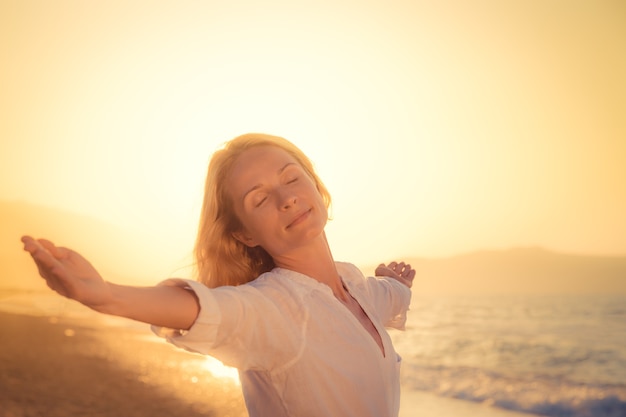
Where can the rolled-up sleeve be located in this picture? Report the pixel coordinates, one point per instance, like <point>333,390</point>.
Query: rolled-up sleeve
<point>391,300</point>
<point>203,333</point>
<point>240,326</point>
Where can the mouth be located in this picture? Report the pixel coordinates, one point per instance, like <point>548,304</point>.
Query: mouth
<point>300,217</point>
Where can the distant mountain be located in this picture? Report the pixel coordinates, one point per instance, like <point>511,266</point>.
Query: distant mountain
<point>117,254</point>
<point>520,271</point>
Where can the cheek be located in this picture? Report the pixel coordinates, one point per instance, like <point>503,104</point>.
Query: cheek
<point>246,222</point>
<point>320,198</point>
<point>259,222</point>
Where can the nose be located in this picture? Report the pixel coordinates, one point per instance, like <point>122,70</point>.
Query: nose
<point>287,200</point>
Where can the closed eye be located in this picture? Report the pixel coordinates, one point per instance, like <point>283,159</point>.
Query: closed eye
<point>260,203</point>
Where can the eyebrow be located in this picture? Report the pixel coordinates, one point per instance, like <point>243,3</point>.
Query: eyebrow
<point>256,187</point>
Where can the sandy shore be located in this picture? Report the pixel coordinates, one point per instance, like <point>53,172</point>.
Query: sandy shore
<point>56,368</point>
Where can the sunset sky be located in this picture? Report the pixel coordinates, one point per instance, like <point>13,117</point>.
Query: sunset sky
<point>439,127</point>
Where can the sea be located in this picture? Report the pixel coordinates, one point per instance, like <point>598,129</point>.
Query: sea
<point>556,356</point>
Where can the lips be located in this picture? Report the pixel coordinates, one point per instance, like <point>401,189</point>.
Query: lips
<point>299,218</point>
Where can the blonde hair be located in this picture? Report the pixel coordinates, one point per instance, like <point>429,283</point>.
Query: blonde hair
<point>220,258</point>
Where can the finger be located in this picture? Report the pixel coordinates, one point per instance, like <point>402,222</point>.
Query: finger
<point>45,260</point>
<point>411,274</point>
<point>30,244</point>
<point>56,251</point>
<point>401,268</point>
<point>41,269</point>
<point>34,246</point>
<point>39,252</point>
<point>384,271</point>
<point>49,268</point>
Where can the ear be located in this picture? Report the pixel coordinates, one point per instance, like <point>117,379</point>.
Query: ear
<point>245,239</point>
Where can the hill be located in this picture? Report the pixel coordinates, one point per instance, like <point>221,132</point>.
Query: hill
<point>520,271</point>
<point>117,254</point>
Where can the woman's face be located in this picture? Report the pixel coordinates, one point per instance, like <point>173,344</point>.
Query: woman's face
<point>275,200</point>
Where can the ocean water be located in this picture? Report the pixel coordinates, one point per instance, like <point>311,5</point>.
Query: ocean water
<point>561,356</point>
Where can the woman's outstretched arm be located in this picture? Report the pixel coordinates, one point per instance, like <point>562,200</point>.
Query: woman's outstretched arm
<point>72,276</point>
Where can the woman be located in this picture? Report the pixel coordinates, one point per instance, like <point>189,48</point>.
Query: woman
<point>306,333</point>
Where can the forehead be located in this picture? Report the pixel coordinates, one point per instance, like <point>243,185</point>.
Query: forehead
<point>255,164</point>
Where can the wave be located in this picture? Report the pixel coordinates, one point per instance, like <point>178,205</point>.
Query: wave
<point>603,407</point>
<point>547,395</point>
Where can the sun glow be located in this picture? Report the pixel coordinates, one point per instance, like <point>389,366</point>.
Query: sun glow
<point>219,370</point>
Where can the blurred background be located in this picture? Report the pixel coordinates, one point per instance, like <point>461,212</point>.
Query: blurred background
<point>439,127</point>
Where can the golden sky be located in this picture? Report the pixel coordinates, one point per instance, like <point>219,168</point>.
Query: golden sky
<point>439,127</point>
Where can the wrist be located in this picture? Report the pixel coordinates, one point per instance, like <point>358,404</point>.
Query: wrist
<point>110,301</point>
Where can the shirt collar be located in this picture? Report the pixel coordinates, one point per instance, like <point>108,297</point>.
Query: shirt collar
<point>313,284</point>
<point>302,279</point>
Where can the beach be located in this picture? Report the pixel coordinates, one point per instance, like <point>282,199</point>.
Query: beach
<point>56,367</point>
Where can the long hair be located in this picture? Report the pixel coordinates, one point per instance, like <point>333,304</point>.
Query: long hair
<point>220,258</point>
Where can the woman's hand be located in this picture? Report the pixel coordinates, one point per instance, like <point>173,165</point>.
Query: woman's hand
<point>72,276</point>
<point>68,273</point>
<point>399,271</point>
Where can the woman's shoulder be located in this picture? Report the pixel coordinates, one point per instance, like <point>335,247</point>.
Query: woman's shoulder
<point>350,272</point>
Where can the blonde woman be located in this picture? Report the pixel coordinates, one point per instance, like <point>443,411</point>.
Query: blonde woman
<point>306,333</point>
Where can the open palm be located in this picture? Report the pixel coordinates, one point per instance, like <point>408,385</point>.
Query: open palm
<point>67,272</point>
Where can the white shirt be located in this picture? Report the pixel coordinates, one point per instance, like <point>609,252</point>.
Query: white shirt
<point>300,352</point>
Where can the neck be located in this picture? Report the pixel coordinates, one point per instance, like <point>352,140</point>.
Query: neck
<point>315,261</point>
